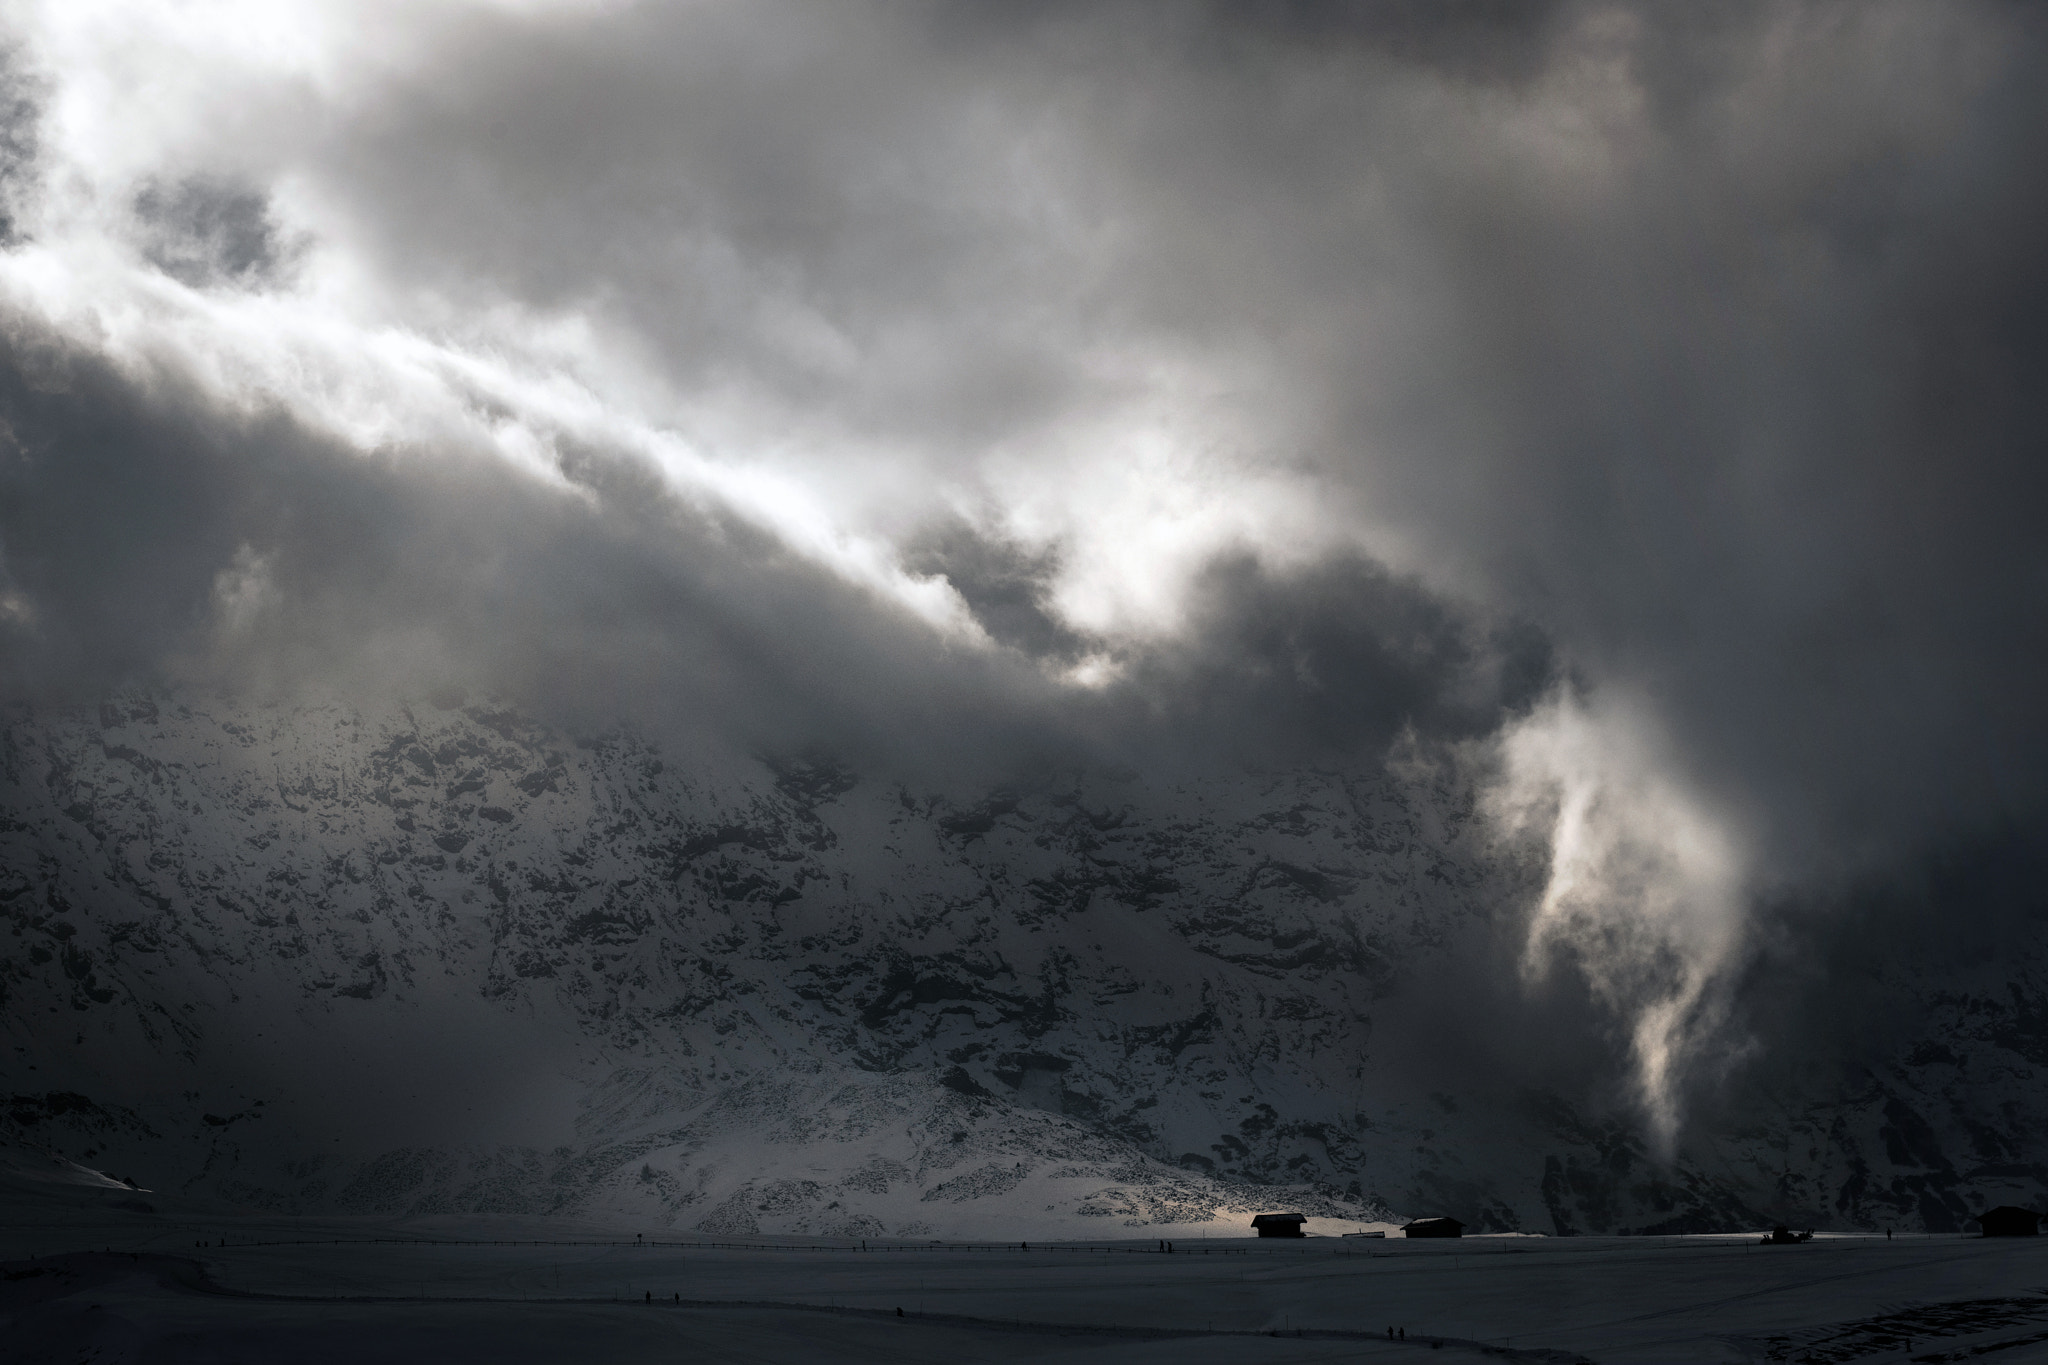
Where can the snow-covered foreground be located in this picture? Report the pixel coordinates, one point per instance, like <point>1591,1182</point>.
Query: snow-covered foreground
<point>115,1283</point>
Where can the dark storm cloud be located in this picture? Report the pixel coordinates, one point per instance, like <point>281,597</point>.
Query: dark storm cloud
<point>19,114</point>
<point>1761,426</point>
<point>1696,353</point>
<point>1008,588</point>
<point>1333,663</point>
<point>1718,340</point>
<point>1710,342</point>
<point>1490,40</point>
<point>146,535</point>
<point>795,200</point>
<point>205,234</point>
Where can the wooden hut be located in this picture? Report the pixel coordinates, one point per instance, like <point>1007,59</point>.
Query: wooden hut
<point>1433,1227</point>
<point>2007,1221</point>
<point>1279,1224</point>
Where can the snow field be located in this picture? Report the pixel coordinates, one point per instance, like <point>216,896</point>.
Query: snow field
<point>1598,1299</point>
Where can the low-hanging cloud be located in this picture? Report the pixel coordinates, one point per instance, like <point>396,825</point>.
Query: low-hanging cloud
<point>1206,383</point>
<point>1645,886</point>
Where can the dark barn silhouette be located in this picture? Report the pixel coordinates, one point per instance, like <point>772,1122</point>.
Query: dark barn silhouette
<point>2007,1221</point>
<point>1433,1227</point>
<point>1279,1224</point>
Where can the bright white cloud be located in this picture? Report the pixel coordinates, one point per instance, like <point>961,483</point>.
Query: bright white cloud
<point>1135,490</point>
<point>1646,887</point>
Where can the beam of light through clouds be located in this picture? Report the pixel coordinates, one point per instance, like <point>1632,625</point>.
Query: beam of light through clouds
<point>1028,376</point>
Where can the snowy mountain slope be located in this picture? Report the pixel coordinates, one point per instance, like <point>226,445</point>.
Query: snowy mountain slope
<point>447,958</point>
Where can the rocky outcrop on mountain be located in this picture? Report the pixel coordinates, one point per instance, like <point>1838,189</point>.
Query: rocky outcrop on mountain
<point>252,944</point>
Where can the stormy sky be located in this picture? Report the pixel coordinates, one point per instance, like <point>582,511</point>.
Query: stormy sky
<point>1639,407</point>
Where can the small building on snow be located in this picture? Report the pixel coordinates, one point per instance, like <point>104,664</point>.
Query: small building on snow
<point>2007,1221</point>
<point>1279,1224</point>
<point>1433,1227</point>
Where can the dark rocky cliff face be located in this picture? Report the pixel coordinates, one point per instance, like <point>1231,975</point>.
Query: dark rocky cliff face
<point>447,958</point>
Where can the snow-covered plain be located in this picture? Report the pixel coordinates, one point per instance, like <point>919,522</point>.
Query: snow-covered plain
<point>113,1280</point>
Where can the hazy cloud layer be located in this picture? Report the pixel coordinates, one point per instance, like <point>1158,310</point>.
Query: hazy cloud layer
<point>1212,383</point>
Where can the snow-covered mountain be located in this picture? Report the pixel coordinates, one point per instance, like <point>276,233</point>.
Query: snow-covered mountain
<point>447,958</point>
